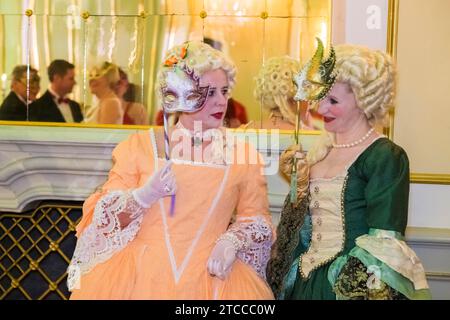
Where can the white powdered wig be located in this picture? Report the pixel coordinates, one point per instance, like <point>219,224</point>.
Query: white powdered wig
<point>275,86</point>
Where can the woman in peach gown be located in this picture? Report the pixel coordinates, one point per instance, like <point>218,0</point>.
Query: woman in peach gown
<point>216,244</point>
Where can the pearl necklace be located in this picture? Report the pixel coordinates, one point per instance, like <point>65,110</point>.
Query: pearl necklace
<point>354,143</point>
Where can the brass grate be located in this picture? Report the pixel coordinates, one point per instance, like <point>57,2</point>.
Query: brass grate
<point>35,250</point>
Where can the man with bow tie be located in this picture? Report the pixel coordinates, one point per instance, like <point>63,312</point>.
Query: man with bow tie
<point>54,105</point>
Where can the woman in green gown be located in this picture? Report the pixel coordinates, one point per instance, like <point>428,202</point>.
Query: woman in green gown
<point>343,236</point>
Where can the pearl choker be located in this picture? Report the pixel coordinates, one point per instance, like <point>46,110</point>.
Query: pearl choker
<point>354,143</point>
<point>196,136</point>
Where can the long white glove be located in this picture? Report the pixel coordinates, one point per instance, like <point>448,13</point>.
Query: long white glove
<point>161,184</point>
<point>221,259</point>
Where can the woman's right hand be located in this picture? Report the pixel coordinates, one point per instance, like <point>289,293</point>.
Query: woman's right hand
<point>287,161</point>
<point>161,184</point>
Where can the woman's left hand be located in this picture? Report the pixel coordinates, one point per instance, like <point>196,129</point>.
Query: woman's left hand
<point>221,259</point>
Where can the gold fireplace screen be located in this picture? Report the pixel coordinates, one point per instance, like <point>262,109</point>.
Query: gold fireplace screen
<point>35,250</point>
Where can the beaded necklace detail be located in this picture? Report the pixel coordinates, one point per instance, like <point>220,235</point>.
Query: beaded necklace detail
<point>354,143</point>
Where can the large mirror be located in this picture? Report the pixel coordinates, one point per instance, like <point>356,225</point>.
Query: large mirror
<point>265,39</point>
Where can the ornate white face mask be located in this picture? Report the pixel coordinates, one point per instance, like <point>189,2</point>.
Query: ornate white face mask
<point>182,92</point>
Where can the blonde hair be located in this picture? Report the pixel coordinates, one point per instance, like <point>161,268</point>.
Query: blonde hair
<point>201,58</point>
<point>371,74</point>
<point>108,70</point>
<point>274,85</point>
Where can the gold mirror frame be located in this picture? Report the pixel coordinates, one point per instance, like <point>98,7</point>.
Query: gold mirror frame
<point>391,48</point>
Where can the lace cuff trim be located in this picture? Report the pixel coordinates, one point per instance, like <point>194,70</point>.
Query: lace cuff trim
<point>104,237</point>
<point>252,239</point>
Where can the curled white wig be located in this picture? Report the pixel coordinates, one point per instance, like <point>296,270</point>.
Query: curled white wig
<point>275,86</point>
<point>371,75</point>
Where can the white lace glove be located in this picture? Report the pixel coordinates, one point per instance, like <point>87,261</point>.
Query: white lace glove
<point>221,259</point>
<point>161,184</point>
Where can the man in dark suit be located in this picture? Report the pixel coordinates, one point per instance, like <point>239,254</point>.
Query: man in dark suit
<point>54,106</point>
<point>14,107</point>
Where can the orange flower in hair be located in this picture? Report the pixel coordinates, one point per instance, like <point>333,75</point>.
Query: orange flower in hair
<point>183,52</point>
<point>173,59</point>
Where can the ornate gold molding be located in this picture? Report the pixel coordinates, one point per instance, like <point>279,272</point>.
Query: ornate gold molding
<point>141,127</point>
<point>392,28</point>
<point>391,49</point>
<point>76,125</point>
<point>430,178</point>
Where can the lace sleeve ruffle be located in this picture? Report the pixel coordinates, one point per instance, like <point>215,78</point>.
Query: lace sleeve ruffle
<point>390,248</point>
<point>252,239</point>
<point>380,266</point>
<point>104,236</point>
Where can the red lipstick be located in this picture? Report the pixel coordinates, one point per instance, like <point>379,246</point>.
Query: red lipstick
<point>217,115</point>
